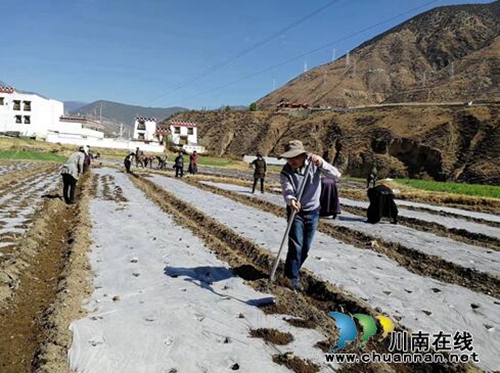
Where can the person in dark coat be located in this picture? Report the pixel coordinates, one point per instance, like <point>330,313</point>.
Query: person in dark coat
<point>179,165</point>
<point>329,199</point>
<point>260,168</point>
<point>70,173</point>
<point>193,165</point>
<point>128,161</point>
<point>381,205</point>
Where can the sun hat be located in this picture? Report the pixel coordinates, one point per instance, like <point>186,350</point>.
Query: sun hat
<point>293,149</point>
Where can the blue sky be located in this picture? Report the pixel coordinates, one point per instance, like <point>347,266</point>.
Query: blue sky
<point>157,52</point>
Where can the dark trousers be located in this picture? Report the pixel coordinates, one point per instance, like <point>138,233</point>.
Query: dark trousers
<point>299,242</point>
<point>127,165</point>
<point>255,180</point>
<point>69,188</point>
<point>179,171</point>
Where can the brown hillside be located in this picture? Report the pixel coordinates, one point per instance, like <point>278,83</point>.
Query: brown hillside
<point>443,143</point>
<point>447,54</point>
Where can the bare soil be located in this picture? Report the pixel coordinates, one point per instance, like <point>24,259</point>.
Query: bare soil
<point>272,336</point>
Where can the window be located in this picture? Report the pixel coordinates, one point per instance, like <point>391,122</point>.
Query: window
<point>141,125</point>
<point>1,100</point>
<point>27,119</point>
<point>177,130</point>
<point>27,105</point>
<point>190,131</point>
<point>17,105</point>
<point>141,136</point>
<point>18,119</point>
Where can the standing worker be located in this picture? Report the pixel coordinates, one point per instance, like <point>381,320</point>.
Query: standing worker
<point>179,165</point>
<point>307,209</point>
<point>193,166</point>
<point>70,172</point>
<point>259,173</point>
<point>139,155</point>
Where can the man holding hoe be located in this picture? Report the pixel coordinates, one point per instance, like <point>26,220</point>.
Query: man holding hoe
<point>304,207</point>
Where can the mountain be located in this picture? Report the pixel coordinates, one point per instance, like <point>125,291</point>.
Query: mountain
<point>447,54</point>
<point>70,106</point>
<point>459,143</point>
<point>113,113</point>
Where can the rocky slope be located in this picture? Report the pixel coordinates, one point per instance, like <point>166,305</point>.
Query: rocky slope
<point>441,143</point>
<point>446,54</point>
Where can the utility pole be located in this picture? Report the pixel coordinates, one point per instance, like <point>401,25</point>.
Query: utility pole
<point>333,54</point>
<point>274,84</point>
<point>305,66</point>
<point>347,60</point>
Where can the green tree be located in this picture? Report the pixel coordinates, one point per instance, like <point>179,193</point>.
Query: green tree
<point>253,106</point>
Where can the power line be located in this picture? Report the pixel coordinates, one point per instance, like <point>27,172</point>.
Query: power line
<point>246,77</point>
<point>229,60</point>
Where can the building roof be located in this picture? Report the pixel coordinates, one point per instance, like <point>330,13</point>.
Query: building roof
<point>182,124</point>
<point>145,119</point>
<point>82,120</point>
<point>6,89</point>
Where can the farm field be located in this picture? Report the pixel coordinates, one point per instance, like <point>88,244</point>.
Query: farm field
<point>156,274</point>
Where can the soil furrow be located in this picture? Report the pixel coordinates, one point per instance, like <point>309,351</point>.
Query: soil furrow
<point>415,261</point>
<point>456,234</point>
<point>320,297</point>
<point>34,274</point>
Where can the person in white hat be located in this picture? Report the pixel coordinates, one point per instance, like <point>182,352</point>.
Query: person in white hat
<point>307,210</point>
<point>70,173</point>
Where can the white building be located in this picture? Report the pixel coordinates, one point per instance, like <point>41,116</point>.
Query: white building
<point>28,114</point>
<point>183,133</point>
<point>71,128</point>
<point>144,129</point>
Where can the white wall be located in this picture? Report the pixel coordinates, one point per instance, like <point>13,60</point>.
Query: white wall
<point>43,115</point>
<point>148,132</point>
<point>76,129</point>
<point>94,142</point>
<point>193,148</point>
<point>4,114</point>
<point>269,160</point>
<point>176,137</point>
